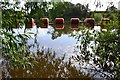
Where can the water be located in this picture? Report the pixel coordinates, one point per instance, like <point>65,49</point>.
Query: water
<point>58,40</point>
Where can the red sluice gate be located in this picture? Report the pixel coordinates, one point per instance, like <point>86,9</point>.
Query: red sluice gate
<point>74,23</point>
<point>59,21</point>
<point>44,22</point>
<point>74,20</point>
<point>89,22</point>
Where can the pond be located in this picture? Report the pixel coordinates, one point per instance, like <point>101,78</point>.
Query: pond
<point>57,40</point>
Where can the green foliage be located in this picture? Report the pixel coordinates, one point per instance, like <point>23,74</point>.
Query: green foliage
<point>111,8</point>
<point>0,17</point>
<point>15,51</point>
<point>10,17</point>
<point>100,51</point>
<point>52,10</point>
<point>57,10</point>
<point>97,17</point>
<point>14,47</point>
<point>68,10</point>
<point>47,66</point>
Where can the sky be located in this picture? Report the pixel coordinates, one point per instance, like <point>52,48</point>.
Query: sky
<point>92,6</point>
<point>92,3</point>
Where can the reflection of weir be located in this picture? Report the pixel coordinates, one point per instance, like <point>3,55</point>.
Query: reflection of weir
<point>59,26</point>
<point>65,25</point>
<point>74,26</point>
<point>60,29</point>
<point>68,29</point>
<point>44,26</point>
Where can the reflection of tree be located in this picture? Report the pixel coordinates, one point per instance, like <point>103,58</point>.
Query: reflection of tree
<point>47,66</point>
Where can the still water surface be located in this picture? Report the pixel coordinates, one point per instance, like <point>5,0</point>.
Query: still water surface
<point>58,40</point>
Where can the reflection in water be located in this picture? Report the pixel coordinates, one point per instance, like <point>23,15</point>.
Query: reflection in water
<point>47,66</point>
<point>74,26</point>
<point>59,26</point>
<point>57,40</point>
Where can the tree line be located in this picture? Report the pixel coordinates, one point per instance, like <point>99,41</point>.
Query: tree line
<point>39,10</point>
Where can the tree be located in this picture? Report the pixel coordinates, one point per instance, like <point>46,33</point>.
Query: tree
<point>100,50</point>
<point>16,52</point>
<point>111,8</point>
<point>10,17</point>
<point>68,10</point>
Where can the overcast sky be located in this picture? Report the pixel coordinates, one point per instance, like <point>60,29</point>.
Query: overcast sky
<point>105,3</point>
<point>92,3</point>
